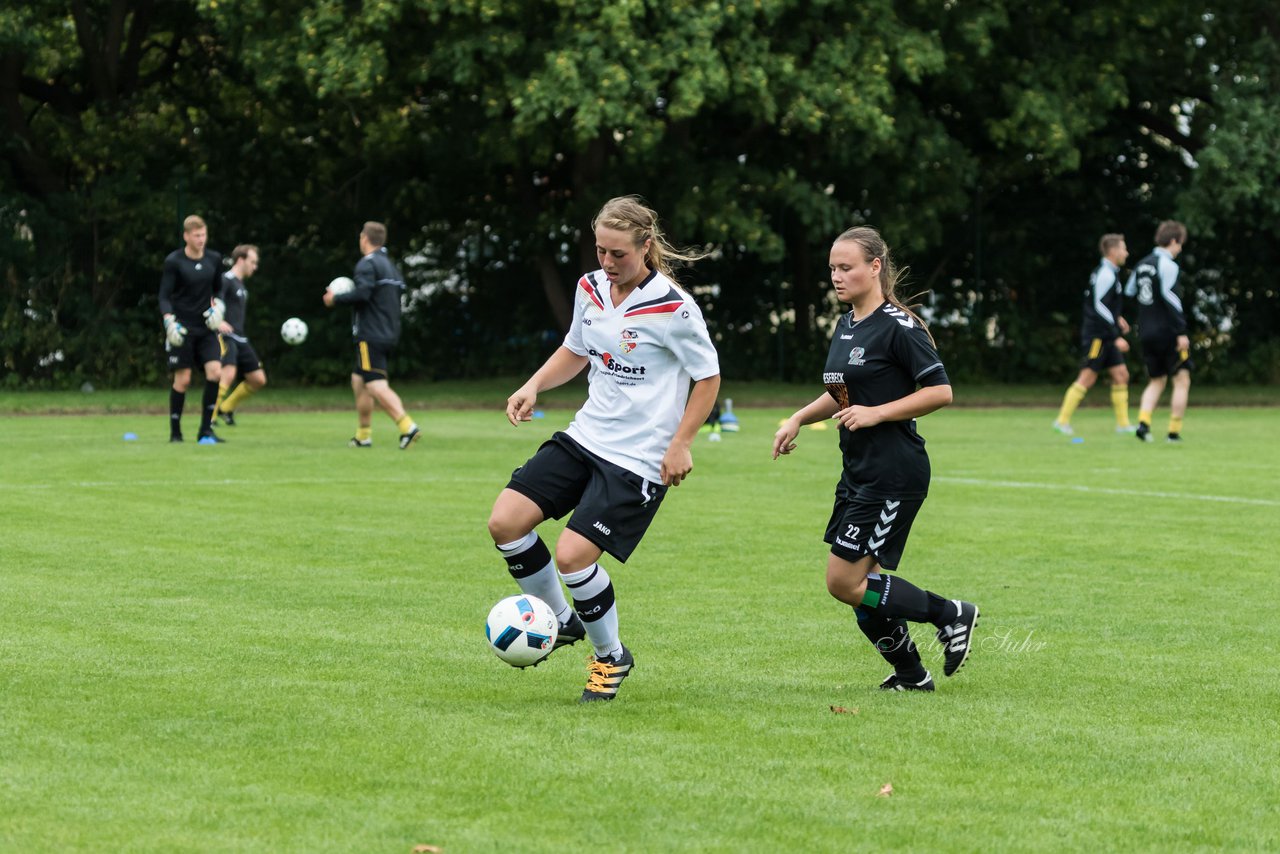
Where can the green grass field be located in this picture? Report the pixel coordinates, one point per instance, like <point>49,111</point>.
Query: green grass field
<point>277,645</point>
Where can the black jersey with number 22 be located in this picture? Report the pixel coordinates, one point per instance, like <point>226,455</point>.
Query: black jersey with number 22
<point>881,358</point>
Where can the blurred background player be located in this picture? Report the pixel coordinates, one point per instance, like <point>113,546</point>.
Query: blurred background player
<point>192,277</point>
<point>1162,328</point>
<point>238,356</point>
<point>1102,342</point>
<point>375,328</point>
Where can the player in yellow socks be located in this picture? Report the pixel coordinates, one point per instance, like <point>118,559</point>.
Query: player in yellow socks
<point>375,326</point>
<point>1162,328</point>
<point>238,356</point>
<point>1102,334</point>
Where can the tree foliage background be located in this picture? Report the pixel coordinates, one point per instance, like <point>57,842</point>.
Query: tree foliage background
<point>991,142</point>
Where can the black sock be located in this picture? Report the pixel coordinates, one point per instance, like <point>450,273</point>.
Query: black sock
<point>892,639</point>
<point>529,562</point>
<point>942,612</point>
<point>209,402</point>
<point>176,401</point>
<point>892,596</point>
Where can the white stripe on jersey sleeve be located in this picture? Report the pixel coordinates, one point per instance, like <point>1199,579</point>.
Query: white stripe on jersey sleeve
<point>1168,278</point>
<point>1102,283</point>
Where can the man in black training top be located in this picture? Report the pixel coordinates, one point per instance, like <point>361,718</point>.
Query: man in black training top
<point>1162,328</point>
<point>375,328</point>
<point>239,359</point>
<point>1102,344</point>
<point>192,278</point>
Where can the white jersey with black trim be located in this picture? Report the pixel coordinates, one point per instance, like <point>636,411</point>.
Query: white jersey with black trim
<point>642,355</point>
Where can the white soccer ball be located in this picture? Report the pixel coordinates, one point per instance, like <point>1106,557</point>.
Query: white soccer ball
<point>294,331</point>
<point>521,630</point>
<point>341,285</point>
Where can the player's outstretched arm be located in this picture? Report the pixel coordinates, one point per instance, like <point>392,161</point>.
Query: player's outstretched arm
<point>563,366</point>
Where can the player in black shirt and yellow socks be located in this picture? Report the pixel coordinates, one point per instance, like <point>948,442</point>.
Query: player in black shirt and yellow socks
<point>1162,329</point>
<point>375,326</point>
<point>1102,338</point>
<point>191,279</point>
<point>239,359</point>
<point>882,373</point>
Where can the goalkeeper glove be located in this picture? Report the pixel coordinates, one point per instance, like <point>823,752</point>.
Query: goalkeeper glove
<point>174,332</point>
<point>215,314</point>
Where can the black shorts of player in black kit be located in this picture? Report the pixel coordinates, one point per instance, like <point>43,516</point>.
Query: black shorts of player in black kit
<point>1163,358</point>
<point>201,345</point>
<point>871,526</point>
<point>614,507</point>
<point>240,355</point>
<point>371,360</point>
<point>1098,354</point>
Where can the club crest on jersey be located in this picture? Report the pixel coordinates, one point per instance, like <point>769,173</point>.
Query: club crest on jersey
<point>629,342</point>
<point>855,356</point>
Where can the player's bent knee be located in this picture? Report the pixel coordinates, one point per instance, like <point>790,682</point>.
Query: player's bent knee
<point>504,529</point>
<point>844,590</point>
<point>575,552</point>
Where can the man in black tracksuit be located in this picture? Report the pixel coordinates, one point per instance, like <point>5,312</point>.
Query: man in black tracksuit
<point>375,328</point>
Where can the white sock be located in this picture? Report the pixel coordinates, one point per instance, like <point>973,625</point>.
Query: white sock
<point>592,593</point>
<point>543,581</point>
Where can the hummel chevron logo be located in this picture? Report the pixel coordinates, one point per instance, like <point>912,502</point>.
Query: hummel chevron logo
<point>880,532</point>
<point>875,544</point>
<point>892,505</point>
<point>887,517</point>
<point>901,316</point>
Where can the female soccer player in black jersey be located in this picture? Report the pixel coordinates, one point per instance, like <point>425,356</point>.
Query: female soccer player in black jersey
<point>882,373</point>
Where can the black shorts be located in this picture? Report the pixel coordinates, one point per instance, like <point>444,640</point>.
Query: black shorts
<point>876,526</point>
<point>1163,358</point>
<point>612,507</point>
<point>1099,354</point>
<point>371,360</point>
<point>240,355</point>
<point>202,345</point>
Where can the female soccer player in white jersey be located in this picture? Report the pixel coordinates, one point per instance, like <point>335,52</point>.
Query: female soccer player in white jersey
<point>882,373</point>
<point>643,340</point>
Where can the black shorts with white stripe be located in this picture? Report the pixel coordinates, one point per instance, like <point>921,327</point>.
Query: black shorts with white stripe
<point>612,507</point>
<point>871,526</point>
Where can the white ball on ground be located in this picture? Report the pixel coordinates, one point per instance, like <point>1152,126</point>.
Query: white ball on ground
<point>521,630</point>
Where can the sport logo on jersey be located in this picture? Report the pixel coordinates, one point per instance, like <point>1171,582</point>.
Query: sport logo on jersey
<point>629,342</point>
<point>855,356</point>
<point>614,366</point>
